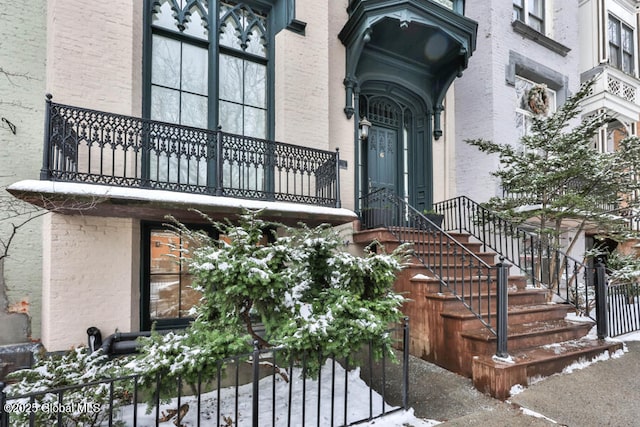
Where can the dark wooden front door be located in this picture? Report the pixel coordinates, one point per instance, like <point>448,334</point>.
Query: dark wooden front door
<point>382,159</point>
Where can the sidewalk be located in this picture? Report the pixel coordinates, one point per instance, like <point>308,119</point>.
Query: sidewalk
<point>605,393</point>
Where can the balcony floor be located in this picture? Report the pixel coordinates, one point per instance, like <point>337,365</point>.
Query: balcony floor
<point>110,201</point>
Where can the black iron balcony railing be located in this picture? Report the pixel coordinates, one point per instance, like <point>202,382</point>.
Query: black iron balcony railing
<point>87,146</point>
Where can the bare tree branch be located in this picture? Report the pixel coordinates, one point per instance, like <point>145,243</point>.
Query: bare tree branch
<point>16,214</point>
<point>9,76</point>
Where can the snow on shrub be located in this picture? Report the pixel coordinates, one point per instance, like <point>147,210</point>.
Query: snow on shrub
<point>311,296</point>
<point>84,406</point>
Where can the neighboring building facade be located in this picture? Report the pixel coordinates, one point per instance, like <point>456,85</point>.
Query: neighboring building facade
<point>520,44</point>
<point>22,86</point>
<point>543,45</point>
<point>611,56</point>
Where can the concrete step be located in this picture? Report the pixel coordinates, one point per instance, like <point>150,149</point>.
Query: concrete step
<point>463,283</point>
<point>458,258</point>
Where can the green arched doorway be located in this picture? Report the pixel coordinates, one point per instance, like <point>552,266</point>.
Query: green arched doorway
<point>396,155</point>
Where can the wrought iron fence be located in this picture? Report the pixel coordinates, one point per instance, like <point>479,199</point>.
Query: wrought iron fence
<point>255,389</point>
<point>89,146</point>
<point>623,308</point>
<point>480,286</point>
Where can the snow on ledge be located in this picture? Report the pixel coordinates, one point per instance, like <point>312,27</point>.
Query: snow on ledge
<point>152,195</point>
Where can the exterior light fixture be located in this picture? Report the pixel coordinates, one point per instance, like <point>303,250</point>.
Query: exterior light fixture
<point>364,128</point>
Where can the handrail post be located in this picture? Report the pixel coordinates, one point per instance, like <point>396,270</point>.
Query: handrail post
<point>4,416</point>
<point>502,304</point>
<point>338,203</point>
<point>602,325</point>
<point>46,152</point>
<point>459,219</point>
<point>256,385</point>
<point>405,361</point>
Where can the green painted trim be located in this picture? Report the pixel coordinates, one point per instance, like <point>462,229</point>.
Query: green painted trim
<point>357,33</point>
<point>418,165</point>
<point>145,273</point>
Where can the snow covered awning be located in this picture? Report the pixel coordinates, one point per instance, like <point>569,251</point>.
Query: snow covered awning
<point>149,204</point>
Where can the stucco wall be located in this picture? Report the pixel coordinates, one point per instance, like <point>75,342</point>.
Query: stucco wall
<point>22,81</point>
<point>91,278</point>
<point>485,98</point>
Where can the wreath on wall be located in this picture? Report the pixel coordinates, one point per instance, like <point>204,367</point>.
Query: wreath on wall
<point>538,99</point>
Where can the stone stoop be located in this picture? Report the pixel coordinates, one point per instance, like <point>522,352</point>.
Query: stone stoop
<point>541,341</point>
<point>497,377</point>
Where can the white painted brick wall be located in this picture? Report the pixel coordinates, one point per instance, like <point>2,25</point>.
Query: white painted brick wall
<point>485,103</point>
<point>301,73</point>
<point>94,54</point>
<point>22,60</point>
<point>92,278</point>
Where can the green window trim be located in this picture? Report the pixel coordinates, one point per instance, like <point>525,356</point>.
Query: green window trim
<point>192,21</point>
<point>161,277</point>
<point>194,29</point>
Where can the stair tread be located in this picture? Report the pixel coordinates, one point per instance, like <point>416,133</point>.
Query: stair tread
<point>566,349</point>
<point>493,294</point>
<point>529,329</point>
<point>424,277</point>
<point>463,312</point>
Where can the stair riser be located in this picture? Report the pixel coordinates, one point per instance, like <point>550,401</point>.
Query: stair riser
<point>466,287</point>
<point>515,299</point>
<point>427,236</point>
<point>441,247</point>
<point>552,367</point>
<point>468,323</point>
<point>457,259</point>
<point>458,270</point>
<point>384,236</point>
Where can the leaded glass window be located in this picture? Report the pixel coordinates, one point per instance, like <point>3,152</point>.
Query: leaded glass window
<point>243,70</point>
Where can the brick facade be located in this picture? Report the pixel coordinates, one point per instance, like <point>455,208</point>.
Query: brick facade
<point>91,278</point>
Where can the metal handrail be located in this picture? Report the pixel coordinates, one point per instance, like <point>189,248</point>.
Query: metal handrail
<point>544,266</point>
<point>89,146</point>
<point>466,275</point>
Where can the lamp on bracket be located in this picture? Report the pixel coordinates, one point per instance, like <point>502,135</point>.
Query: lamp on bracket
<point>364,125</point>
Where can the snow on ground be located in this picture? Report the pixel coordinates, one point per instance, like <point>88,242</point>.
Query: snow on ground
<point>358,402</point>
<point>359,407</point>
